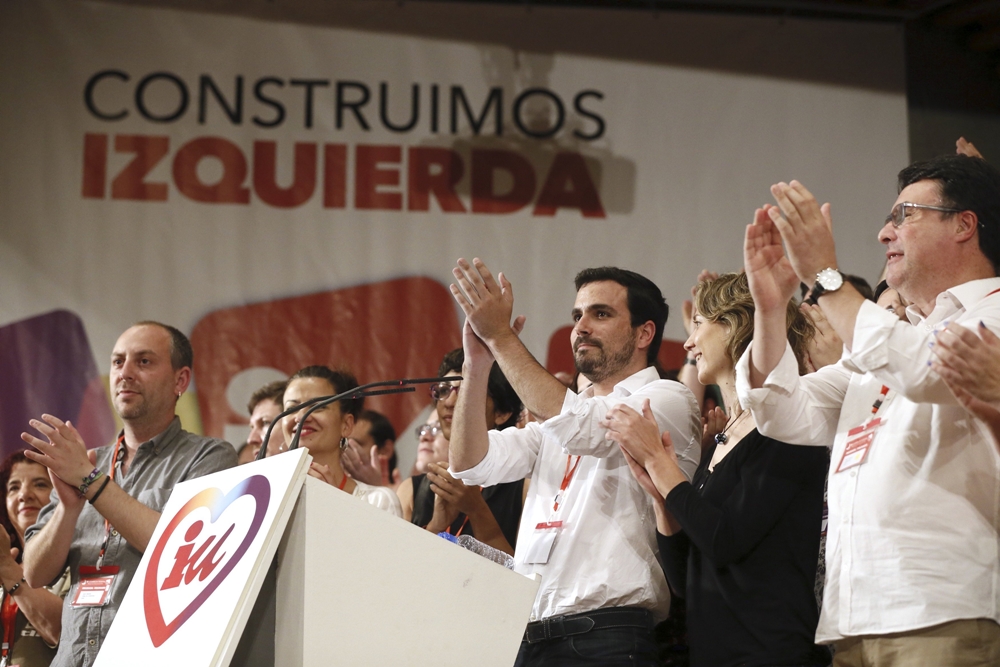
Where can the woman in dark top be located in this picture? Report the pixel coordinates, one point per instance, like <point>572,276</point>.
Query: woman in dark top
<point>740,541</point>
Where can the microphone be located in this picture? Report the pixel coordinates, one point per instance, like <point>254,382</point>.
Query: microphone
<point>370,389</point>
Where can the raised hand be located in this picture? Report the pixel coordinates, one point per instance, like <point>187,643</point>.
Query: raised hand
<point>770,275</point>
<point>805,228</point>
<point>355,465</point>
<point>638,434</point>
<point>488,304</point>
<point>969,363</point>
<point>963,147</point>
<point>825,347</point>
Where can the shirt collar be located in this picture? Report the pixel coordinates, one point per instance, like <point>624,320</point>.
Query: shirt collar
<point>954,299</point>
<point>164,438</point>
<point>631,384</point>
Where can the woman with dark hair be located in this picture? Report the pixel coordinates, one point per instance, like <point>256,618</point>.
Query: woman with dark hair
<point>326,430</point>
<point>30,618</point>
<point>740,541</point>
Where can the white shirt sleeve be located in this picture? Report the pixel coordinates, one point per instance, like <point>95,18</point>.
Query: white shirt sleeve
<point>511,456</point>
<point>579,428</point>
<point>899,354</point>
<point>800,410</point>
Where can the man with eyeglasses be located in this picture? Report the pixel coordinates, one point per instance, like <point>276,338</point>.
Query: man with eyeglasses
<point>588,529</point>
<point>913,565</point>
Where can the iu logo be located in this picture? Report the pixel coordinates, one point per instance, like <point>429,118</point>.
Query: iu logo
<point>209,559</point>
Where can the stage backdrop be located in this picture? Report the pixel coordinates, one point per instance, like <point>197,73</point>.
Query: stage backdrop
<point>291,194</point>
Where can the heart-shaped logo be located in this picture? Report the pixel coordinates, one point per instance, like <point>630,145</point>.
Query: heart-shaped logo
<point>186,568</point>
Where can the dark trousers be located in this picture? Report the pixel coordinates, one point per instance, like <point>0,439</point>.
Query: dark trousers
<point>622,645</point>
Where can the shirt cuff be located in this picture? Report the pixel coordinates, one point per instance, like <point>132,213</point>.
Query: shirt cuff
<point>872,328</point>
<point>782,379</point>
<point>479,473</point>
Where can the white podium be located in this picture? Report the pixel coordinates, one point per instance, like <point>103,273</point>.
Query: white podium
<point>338,581</point>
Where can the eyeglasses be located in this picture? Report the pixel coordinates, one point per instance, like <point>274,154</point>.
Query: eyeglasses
<point>431,430</point>
<point>901,210</point>
<point>442,390</point>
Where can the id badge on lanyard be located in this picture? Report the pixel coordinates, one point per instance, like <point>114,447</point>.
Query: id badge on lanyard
<point>94,587</point>
<point>860,438</point>
<point>545,532</point>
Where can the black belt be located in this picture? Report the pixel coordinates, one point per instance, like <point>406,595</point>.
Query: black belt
<point>578,624</point>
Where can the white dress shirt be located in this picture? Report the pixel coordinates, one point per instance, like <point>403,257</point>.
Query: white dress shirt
<point>913,531</point>
<point>605,554</point>
<point>381,497</point>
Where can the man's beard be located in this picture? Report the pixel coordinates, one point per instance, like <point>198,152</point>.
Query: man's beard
<point>601,366</point>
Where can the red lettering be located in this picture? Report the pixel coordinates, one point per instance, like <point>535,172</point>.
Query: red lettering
<point>229,189</point>
<point>569,185</point>
<point>95,165</point>
<point>335,176</point>
<point>186,565</point>
<point>368,177</point>
<point>265,175</point>
<point>130,184</point>
<point>437,171</point>
<point>485,164</point>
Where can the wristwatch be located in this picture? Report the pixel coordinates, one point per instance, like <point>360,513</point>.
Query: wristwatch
<point>827,280</point>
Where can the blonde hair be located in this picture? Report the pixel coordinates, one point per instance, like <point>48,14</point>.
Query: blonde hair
<point>727,300</point>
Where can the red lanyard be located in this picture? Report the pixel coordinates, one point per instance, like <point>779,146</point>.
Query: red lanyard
<point>460,528</point>
<point>880,400</point>
<point>567,478</point>
<point>343,482</point>
<point>9,617</point>
<point>115,463</point>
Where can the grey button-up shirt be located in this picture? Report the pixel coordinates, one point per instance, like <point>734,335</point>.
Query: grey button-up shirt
<point>171,457</point>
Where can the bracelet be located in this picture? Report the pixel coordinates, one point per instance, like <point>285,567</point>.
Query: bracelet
<point>94,475</point>
<point>107,480</point>
<point>15,586</point>
<point>688,361</point>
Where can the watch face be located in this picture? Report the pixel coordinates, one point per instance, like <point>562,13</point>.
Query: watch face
<point>830,279</point>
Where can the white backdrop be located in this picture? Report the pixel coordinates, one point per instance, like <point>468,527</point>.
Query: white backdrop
<point>685,155</point>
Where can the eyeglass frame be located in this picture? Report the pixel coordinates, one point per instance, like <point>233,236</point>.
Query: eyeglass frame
<point>423,429</point>
<point>890,219</point>
<point>436,390</point>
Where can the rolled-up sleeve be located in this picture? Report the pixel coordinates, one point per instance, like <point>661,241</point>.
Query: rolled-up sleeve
<point>579,427</point>
<point>511,456</point>
<point>798,409</point>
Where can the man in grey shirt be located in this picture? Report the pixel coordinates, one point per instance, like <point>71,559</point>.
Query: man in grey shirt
<point>108,500</point>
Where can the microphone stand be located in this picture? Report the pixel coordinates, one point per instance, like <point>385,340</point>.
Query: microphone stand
<point>371,389</point>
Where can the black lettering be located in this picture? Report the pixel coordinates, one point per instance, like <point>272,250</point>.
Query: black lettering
<point>234,113</point>
<point>355,105</point>
<point>384,108</point>
<point>458,95</point>
<point>88,94</point>
<point>309,84</point>
<point>434,108</point>
<point>577,104</point>
<point>279,108</point>
<point>140,97</point>
<point>560,113</point>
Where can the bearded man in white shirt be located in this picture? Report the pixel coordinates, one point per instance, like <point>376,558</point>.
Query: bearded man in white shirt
<point>913,562</point>
<point>586,529</point>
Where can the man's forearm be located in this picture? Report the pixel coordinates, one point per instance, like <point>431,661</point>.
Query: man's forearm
<point>841,310</point>
<point>541,392</point>
<point>469,441</point>
<point>132,519</point>
<point>46,553</point>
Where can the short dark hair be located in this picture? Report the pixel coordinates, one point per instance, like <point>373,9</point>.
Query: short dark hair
<point>272,391</point>
<point>505,399</point>
<point>645,301</point>
<point>340,381</point>
<point>382,430</point>
<point>968,184</point>
<point>181,354</point>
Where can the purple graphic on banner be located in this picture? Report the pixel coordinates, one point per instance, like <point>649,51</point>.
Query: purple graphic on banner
<point>46,365</point>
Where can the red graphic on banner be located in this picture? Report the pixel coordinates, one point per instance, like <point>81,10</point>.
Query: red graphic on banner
<point>188,565</point>
<point>383,331</point>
